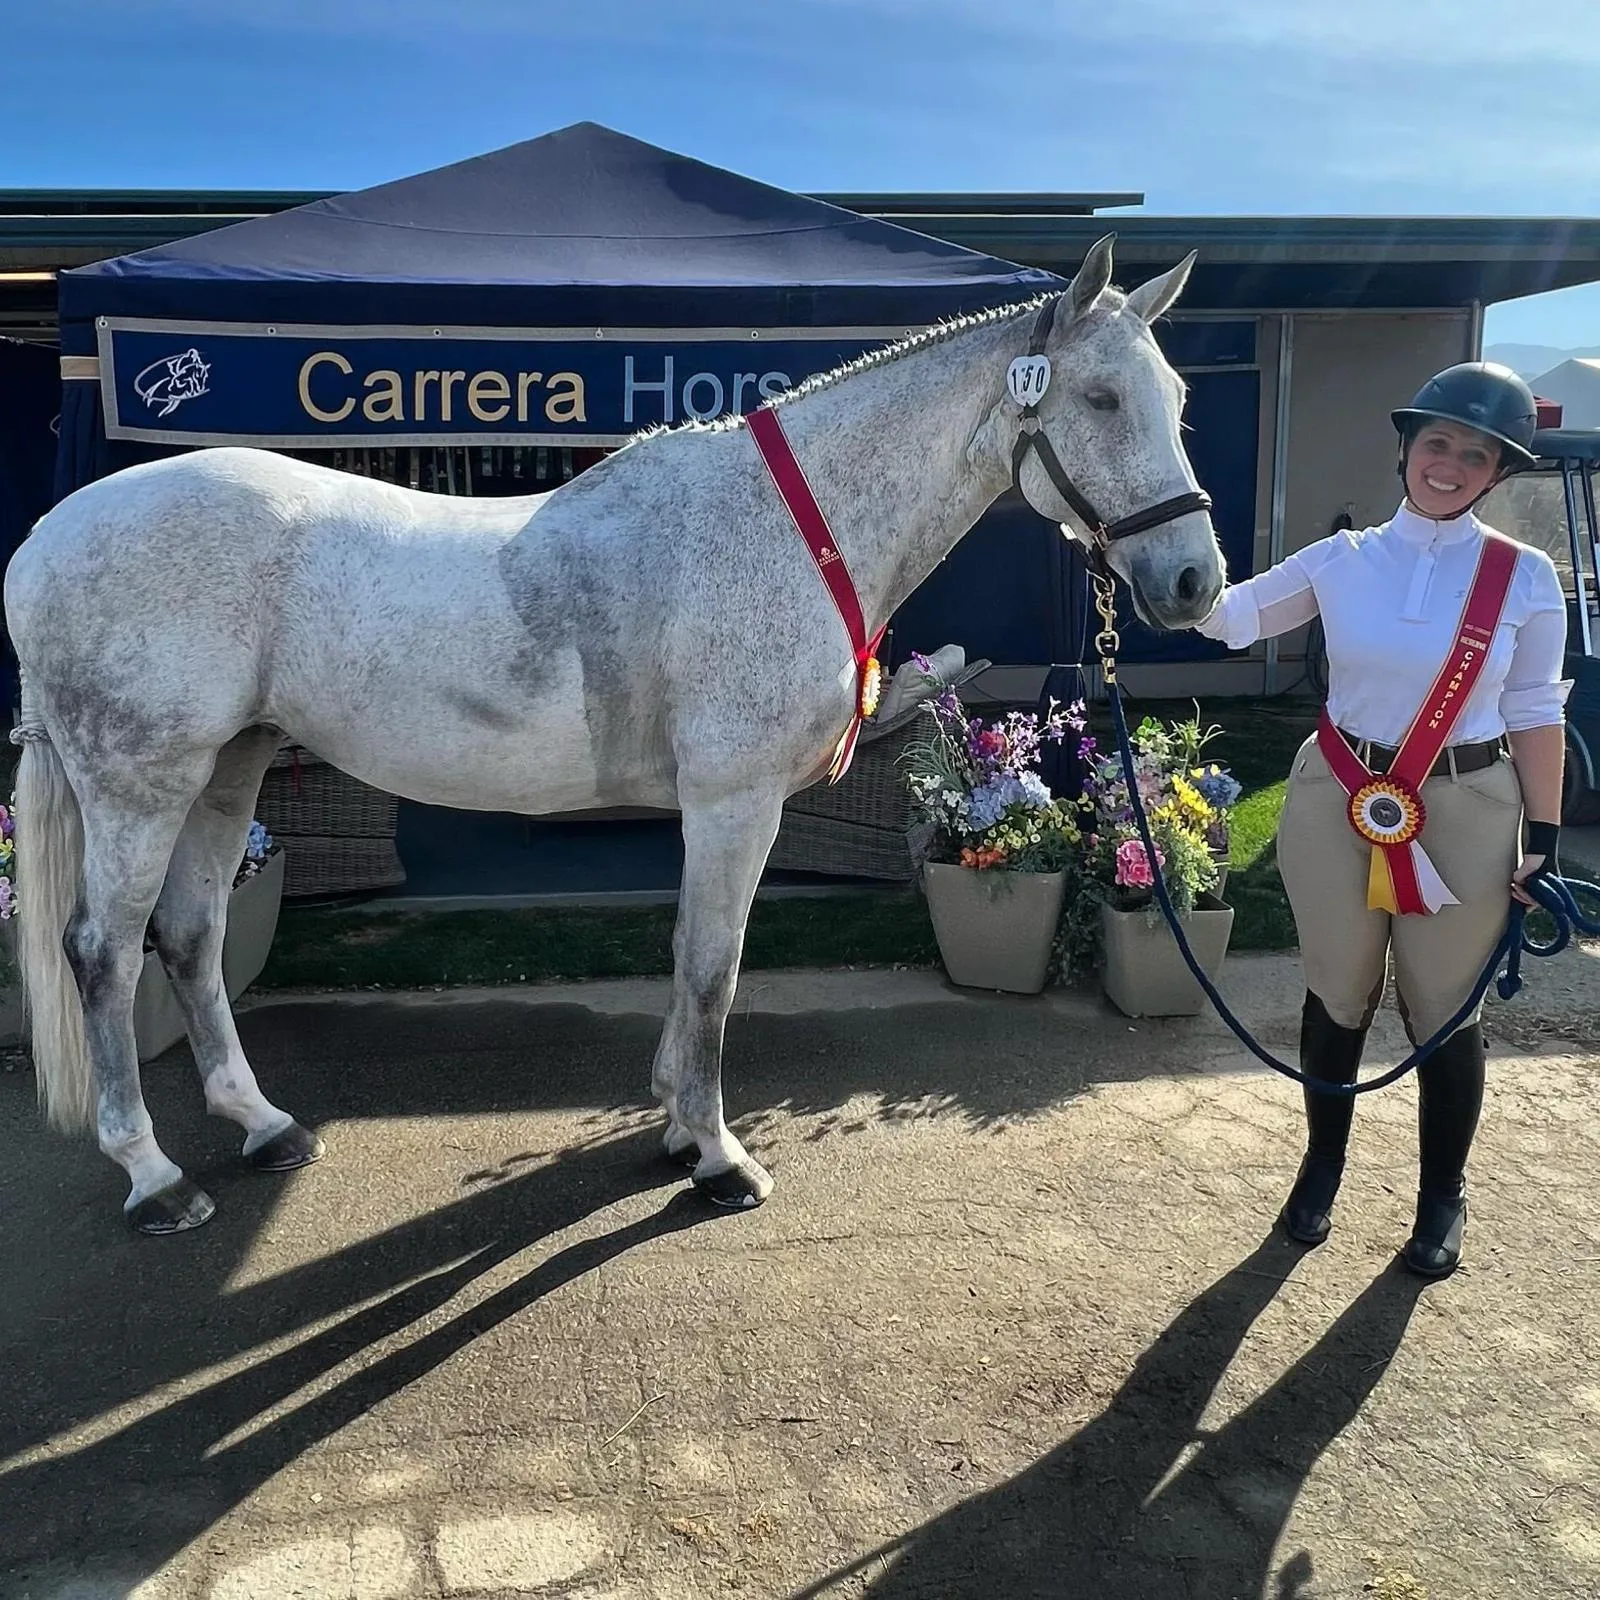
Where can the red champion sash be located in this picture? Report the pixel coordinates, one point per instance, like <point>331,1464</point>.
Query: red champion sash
<point>1387,810</point>
<point>795,492</point>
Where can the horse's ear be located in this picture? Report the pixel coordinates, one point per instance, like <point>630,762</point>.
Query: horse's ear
<point>1155,299</point>
<point>1094,276</point>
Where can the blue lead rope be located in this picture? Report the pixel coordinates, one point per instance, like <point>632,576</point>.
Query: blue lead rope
<point>1556,895</point>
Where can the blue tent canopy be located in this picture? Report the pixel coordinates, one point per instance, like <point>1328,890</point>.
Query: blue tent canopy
<point>568,290</point>
<point>584,226</point>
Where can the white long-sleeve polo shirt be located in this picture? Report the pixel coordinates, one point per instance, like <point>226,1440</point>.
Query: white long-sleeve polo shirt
<point>1390,599</point>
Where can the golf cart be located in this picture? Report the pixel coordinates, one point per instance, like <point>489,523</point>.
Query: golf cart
<point>1553,506</point>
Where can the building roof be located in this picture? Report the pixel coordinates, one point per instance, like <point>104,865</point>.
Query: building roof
<point>1575,386</point>
<point>1245,262</point>
<point>1303,263</point>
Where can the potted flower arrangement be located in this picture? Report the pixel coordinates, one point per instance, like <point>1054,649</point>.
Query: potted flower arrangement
<point>1113,919</point>
<point>253,903</point>
<point>1182,746</point>
<point>996,868</point>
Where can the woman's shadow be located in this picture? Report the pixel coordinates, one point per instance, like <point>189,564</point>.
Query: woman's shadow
<point>1142,1503</point>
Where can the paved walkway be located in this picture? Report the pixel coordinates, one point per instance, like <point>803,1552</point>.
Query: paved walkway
<point>1013,1324</point>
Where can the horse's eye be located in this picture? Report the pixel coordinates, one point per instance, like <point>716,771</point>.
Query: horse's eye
<point>1102,400</point>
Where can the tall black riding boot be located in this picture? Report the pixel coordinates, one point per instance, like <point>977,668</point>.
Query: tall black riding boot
<point>1449,1097</point>
<point>1332,1052</point>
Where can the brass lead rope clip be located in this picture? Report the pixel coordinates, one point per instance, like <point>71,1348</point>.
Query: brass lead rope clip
<point>1108,641</point>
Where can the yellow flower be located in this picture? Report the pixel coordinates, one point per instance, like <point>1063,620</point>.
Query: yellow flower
<point>1189,805</point>
<point>871,686</point>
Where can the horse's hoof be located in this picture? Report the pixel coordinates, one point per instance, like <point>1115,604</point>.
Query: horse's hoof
<point>283,1152</point>
<point>740,1188</point>
<point>175,1209</point>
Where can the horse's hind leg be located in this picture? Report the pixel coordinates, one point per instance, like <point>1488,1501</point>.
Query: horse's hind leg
<point>187,929</point>
<point>129,829</point>
<point>725,846</point>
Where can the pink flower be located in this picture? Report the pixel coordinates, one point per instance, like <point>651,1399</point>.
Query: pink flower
<point>1133,865</point>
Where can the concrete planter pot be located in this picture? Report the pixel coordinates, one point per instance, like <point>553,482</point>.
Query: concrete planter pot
<point>252,921</point>
<point>1220,861</point>
<point>157,1020</point>
<point>1145,974</point>
<point>994,928</point>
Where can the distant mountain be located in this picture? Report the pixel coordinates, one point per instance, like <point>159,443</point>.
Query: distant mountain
<point>1533,360</point>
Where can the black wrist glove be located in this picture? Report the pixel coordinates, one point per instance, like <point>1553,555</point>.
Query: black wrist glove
<point>1543,840</point>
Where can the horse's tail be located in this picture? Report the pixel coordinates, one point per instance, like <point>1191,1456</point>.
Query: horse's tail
<point>49,846</point>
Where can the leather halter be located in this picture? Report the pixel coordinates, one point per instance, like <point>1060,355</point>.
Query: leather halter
<point>1034,438</point>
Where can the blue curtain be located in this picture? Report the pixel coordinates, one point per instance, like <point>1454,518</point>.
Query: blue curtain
<point>30,406</point>
<point>83,452</point>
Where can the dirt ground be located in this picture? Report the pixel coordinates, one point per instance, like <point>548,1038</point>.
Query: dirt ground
<point>1015,1322</point>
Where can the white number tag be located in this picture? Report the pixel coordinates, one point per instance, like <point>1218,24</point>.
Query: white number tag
<point>1027,378</point>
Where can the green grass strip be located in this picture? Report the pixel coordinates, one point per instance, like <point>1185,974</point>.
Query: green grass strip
<point>420,949</point>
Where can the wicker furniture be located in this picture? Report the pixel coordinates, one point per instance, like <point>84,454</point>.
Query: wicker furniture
<point>338,834</point>
<point>863,826</point>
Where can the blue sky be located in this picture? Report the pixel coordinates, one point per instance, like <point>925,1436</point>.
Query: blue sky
<point>1260,106</point>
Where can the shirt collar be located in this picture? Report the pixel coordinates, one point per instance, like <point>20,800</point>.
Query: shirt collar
<point>1417,529</point>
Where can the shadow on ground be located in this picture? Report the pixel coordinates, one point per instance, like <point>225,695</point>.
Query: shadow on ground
<point>1143,1503</point>
<point>94,1318</point>
<point>157,1483</point>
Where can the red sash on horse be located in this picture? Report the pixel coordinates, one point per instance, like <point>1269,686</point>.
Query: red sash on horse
<point>1387,809</point>
<point>790,480</point>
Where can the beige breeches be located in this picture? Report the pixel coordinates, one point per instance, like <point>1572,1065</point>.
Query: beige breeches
<point>1472,836</point>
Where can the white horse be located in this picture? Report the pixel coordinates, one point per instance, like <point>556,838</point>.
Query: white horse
<point>654,633</point>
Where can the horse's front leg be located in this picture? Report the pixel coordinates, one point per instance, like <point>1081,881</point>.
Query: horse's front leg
<point>725,846</point>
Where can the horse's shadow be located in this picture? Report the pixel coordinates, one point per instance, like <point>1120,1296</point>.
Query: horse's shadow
<point>92,1319</point>
<point>160,1481</point>
<point>1142,1503</point>
<point>163,1309</point>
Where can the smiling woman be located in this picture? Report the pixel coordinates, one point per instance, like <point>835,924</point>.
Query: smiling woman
<point>1402,825</point>
<point>1448,464</point>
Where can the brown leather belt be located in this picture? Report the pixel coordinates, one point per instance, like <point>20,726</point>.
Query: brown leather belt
<point>1457,758</point>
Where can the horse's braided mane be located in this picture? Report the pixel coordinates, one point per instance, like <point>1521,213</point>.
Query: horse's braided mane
<point>939,333</point>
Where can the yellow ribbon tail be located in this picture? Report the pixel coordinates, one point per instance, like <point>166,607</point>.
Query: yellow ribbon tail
<point>843,751</point>
<point>1380,885</point>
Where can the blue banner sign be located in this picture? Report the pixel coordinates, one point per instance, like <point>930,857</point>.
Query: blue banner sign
<point>299,387</point>
<point>308,387</point>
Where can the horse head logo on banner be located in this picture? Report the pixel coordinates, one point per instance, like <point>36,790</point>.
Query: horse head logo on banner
<point>167,383</point>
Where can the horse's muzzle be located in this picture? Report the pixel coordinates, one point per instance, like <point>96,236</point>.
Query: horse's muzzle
<point>1176,587</point>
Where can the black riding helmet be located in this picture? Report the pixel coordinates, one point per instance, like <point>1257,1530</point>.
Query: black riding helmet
<point>1481,395</point>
